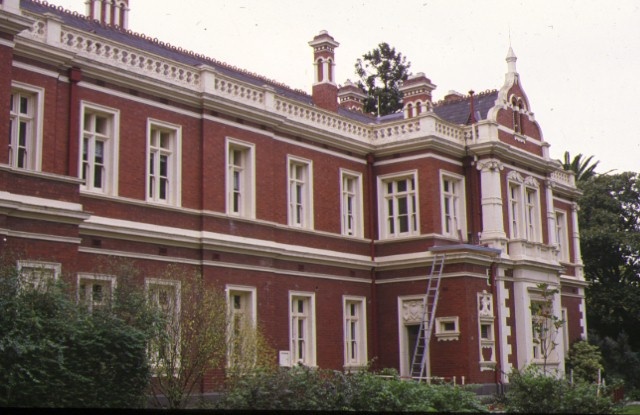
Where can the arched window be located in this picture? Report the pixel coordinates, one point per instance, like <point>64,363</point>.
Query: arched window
<point>320,69</point>
<point>516,105</point>
<point>409,111</point>
<point>330,70</point>
<point>418,108</point>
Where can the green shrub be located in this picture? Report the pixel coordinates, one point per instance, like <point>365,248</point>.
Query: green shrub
<point>302,388</point>
<point>54,353</point>
<point>531,391</point>
<point>585,360</point>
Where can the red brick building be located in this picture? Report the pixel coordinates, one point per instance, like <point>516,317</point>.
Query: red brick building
<point>321,222</point>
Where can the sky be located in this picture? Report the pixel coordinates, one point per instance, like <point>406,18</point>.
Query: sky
<point>578,60</point>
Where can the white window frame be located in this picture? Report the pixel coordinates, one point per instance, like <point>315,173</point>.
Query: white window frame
<point>247,308</point>
<point>515,210</point>
<point>355,331</point>
<point>300,193</point>
<point>562,235</point>
<point>87,298</point>
<point>149,283</point>
<point>35,125</point>
<point>413,209</point>
<point>240,179</point>
<point>35,266</point>
<point>351,207</point>
<point>564,315</point>
<point>456,215</point>
<point>443,333</point>
<point>306,318</point>
<point>111,140</point>
<point>153,182</point>
<point>532,213</point>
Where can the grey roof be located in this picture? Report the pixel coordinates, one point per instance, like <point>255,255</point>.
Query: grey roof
<point>456,112</point>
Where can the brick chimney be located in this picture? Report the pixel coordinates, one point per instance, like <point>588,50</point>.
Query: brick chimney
<point>109,12</point>
<point>416,95</point>
<point>325,90</point>
<point>351,97</point>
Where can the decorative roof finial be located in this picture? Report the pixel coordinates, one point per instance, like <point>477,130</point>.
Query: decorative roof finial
<point>511,61</point>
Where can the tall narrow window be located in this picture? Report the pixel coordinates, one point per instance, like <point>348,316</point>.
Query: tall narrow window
<point>240,179</point>
<point>242,312</point>
<point>21,125</point>
<point>532,215</point>
<point>515,210</point>
<point>302,329</point>
<point>163,168</point>
<point>453,207</point>
<point>99,149</point>
<point>300,193</point>
<point>562,235</point>
<point>165,296</point>
<point>351,204</point>
<point>95,291</point>
<point>355,340</point>
<point>400,206</point>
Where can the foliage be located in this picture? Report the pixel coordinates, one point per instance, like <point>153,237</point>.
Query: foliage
<point>380,71</point>
<point>303,388</point>
<point>532,391</point>
<point>55,353</point>
<point>195,336</point>
<point>545,324</point>
<point>584,169</point>
<point>619,360</point>
<point>585,360</point>
<point>610,243</point>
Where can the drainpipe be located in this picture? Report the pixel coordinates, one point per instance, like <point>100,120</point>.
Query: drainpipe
<point>496,329</point>
<point>371,184</point>
<point>75,76</point>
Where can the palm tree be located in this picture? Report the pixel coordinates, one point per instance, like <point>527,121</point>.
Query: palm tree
<point>584,169</point>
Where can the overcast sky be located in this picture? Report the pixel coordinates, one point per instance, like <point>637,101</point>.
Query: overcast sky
<point>579,60</point>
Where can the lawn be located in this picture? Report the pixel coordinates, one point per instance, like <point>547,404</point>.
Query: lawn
<point>632,409</point>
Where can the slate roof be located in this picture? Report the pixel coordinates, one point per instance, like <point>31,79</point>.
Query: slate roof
<point>456,112</point>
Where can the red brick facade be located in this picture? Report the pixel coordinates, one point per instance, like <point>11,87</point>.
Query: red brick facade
<point>460,177</point>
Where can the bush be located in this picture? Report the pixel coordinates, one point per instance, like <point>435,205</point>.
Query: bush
<point>54,353</point>
<point>531,391</point>
<point>302,388</point>
<point>585,360</point>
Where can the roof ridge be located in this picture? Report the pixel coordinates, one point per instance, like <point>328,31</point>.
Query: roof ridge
<point>171,47</point>
<point>465,97</point>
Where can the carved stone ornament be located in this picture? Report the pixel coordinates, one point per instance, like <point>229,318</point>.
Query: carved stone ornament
<point>485,304</point>
<point>412,311</point>
<point>490,164</point>
<point>532,182</point>
<point>514,176</point>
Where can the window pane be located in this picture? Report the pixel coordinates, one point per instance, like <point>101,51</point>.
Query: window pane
<point>24,105</point>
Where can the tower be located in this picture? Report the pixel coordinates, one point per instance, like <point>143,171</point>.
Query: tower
<point>325,90</point>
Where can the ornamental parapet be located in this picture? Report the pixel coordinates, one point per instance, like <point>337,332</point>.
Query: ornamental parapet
<point>205,79</point>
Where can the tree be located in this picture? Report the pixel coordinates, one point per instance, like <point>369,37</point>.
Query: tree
<point>584,169</point>
<point>380,71</point>
<point>585,360</point>
<point>196,334</point>
<point>56,353</point>
<point>610,244</point>
<point>544,323</point>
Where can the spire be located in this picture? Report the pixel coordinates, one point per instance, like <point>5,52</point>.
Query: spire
<point>511,61</point>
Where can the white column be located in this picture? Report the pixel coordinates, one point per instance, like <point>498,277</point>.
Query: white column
<point>491,200</point>
<point>577,258</point>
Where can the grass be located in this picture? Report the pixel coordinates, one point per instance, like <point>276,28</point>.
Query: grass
<point>631,409</point>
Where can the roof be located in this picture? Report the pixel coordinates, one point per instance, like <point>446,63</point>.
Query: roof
<point>456,112</point>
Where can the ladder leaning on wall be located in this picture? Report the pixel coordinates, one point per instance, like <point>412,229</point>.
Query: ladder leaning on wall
<point>419,362</point>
